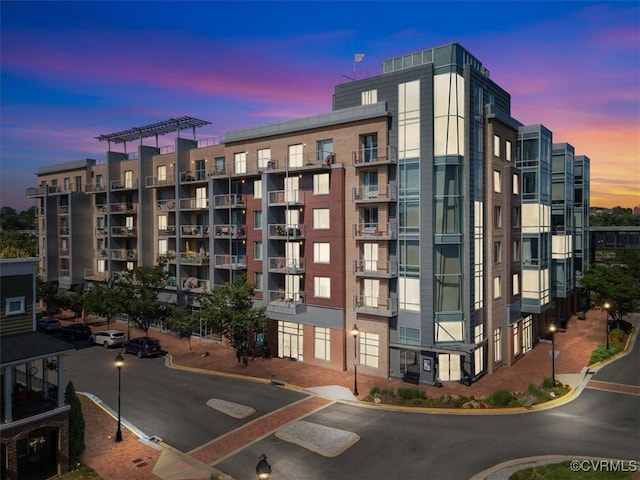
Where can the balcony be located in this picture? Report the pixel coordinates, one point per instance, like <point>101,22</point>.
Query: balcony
<point>231,231</point>
<point>375,193</point>
<point>124,208</point>
<point>123,254</point>
<point>376,268</point>
<point>191,177</point>
<point>124,231</point>
<point>166,205</point>
<point>234,200</point>
<point>95,187</point>
<point>196,231</point>
<point>230,262</point>
<point>194,284</point>
<point>101,209</point>
<point>282,231</point>
<point>281,301</point>
<point>159,181</point>
<point>286,198</point>
<point>104,253</point>
<point>90,274</point>
<point>194,258</point>
<point>63,210</point>
<point>375,231</point>
<point>168,231</point>
<point>382,307</point>
<point>286,265</point>
<point>38,191</point>
<point>194,203</point>
<point>101,232</point>
<point>63,252</point>
<point>368,157</point>
<point>64,230</point>
<point>124,184</point>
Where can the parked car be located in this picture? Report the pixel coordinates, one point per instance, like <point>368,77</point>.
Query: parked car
<point>142,346</point>
<point>76,331</point>
<point>108,338</point>
<point>48,325</point>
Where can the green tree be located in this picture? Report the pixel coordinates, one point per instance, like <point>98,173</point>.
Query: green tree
<point>74,300</point>
<point>104,299</point>
<point>182,321</point>
<point>47,292</point>
<point>10,219</point>
<point>141,286</point>
<point>230,308</point>
<point>76,425</point>
<point>14,244</point>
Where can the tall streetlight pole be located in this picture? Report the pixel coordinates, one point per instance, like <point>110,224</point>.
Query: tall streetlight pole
<point>552,329</point>
<point>607,306</point>
<point>119,361</point>
<point>355,332</point>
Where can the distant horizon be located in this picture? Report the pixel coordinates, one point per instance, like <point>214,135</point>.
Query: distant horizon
<point>71,71</point>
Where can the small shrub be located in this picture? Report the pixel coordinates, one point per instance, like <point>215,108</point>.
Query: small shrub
<point>409,393</point>
<point>368,398</point>
<point>601,353</point>
<point>526,399</point>
<point>548,382</point>
<point>432,402</point>
<point>416,401</point>
<point>388,391</point>
<point>538,392</point>
<point>617,335</point>
<point>461,401</point>
<point>501,398</point>
<point>374,390</point>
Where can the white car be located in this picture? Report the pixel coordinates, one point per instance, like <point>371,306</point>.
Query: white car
<point>108,338</point>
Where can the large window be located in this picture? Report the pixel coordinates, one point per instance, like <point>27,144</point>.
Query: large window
<point>369,97</point>
<point>321,252</point>
<point>257,281</point>
<point>240,162</point>
<point>369,145</point>
<point>162,246</point>
<point>295,156</point>
<point>497,181</point>
<point>257,219</point>
<point>324,149</point>
<point>257,250</point>
<point>409,336</point>
<point>497,346</point>
<point>162,173</point>
<point>496,146</point>
<point>321,184</point>
<point>264,156</point>
<point>369,349</point>
<point>321,218</point>
<point>257,189</point>
<point>448,277</point>
<point>322,337</point>
<point>448,204</point>
<point>322,287</point>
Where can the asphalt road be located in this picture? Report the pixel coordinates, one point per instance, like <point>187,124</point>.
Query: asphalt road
<point>172,404</point>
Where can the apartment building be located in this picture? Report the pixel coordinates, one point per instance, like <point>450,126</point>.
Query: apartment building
<point>417,210</point>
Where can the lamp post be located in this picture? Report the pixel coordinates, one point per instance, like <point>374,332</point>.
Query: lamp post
<point>355,332</point>
<point>607,306</point>
<point>263,469</point>
<point>119,361</point>
<point>552,329</point>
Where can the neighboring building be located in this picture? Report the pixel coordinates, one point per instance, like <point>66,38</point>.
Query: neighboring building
<point>34,434</point>
<point>418,210</point>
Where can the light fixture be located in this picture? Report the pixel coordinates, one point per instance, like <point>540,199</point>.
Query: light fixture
<point>552,329</point>
<point>355,332</point>
<point>263,469</point>
<point>119,362</point>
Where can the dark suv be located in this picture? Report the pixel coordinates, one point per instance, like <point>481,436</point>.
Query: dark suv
<point>48,325</point>
<point>76,331</point>
<point>142,346</point>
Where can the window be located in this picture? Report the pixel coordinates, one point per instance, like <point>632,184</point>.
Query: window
<point>369,145</point>
<point>497,216</point>
<point>128,221</point>
<point>507,150</point>
<point>162,246</point>
<point>240,162</point>
<point>162,223</point>
<point>264,155</point>
<point>322,338</point>
<point>14,306</point>
<point>516,341</point>
<point>257,189</point>
<point>257,280</point>
<point>162,173</point>
<point>99,181</point>
<point>257,219</point>
<point>369,97</point>
<point>321,218</point>
<point>295,155</point>
<point>409,336</point>
<point>322,287</point>
<point>516,284</point>
<point>129,266</point>
<point>67,184</point>
<point>321,184</point>
<point>496,146</point>
<point>515,216</point>
<point>497,293</point>
<point>369,349</point>
<point>102,266</point>
<point>515,253</point>
<point>200,169</point>
<point>324,149</point>
<point>497,251</point>
<point>321,252</point>
<point>497,181</point>
<point>128,179</point>
<point>257,250</point>
<point>497,348</point>
<point>219,168</point>
<point>516,184</point>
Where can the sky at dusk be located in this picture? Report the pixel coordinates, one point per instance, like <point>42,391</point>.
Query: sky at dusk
<point>71,71</point>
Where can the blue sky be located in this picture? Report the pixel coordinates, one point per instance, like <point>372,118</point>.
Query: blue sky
<point>71,71</point>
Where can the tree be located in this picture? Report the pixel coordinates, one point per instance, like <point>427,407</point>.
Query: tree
<point>14,244</point>
<point>230,308</point>
<point>140,289</point>
<point>76,425</point>
<point>105,299</point>
<point>74,300</point>
<point>182,321</point>
<point>47,292</point>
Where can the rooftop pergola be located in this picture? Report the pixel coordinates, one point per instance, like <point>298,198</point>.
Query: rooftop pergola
<point>153,130</point>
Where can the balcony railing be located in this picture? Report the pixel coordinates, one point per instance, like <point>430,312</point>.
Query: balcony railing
<point>282,298</point>
<point>124,207</point>
<point>91,274</point>
<point>231,231</point>
<point>101,231</point>
<point>374,156</point>
<point>376,268</point>
<point>375,193</point>
<point>230,262</point>
<point>104,253</point>
<point>286,197</point>
<point>194,284</point>
<point>124,231</point>
<point>155,181</point>
<point>63,210</point>
<point>190,176</point>
<point>384,307</point>
<point>194,203</point>
<point>124,184</point>
<point>64,272</point>
<point>101,209</point>
<point>64,230</point>
<point>95,187</point>
<point>194,258</point>
<point>293,231</point>
<point>194,230</point>
<point>234,200</point>
<point>64,252</point>
<point>166,205</point>
<point>123,254</point>
<point>286,265</point>
<point>378,231</point>
<point>168,231</point>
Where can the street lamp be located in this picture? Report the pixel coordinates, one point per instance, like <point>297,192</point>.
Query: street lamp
<point>263,469</point>
<point>552,329</point>
<point>119,361</point>
<point>355,332</point>
<point>607,306</point>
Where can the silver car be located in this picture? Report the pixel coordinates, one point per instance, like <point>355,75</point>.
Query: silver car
<point>108,338</point>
